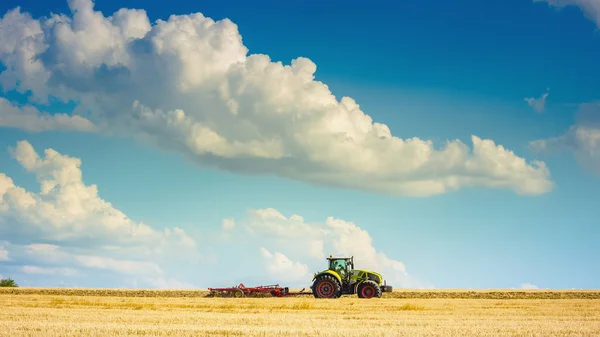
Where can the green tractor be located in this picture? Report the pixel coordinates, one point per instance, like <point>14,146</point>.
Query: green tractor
<point>342,279</point>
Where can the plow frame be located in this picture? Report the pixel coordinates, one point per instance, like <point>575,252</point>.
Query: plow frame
<point>242,291</point>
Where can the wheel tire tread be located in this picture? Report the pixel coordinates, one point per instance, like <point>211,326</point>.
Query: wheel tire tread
<point>337,289</point>
<point>370,283</point>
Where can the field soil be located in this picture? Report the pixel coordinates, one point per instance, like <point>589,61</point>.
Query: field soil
<point>113,312</point>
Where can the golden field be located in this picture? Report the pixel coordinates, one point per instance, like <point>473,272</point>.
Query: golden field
<point>116,312</point>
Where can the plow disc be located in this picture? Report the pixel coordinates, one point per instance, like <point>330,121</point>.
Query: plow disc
<point>261,291</point>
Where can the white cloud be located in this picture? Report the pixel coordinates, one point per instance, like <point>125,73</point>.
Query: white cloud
<point>228,224</point>
<point>68,209</point>
<point>85,230</point>
<point>581,139</point>
<point>590,8</point>
<point>349,239</point>
<point>528,286</point>
<point>48,271</point>
<point>31,119</point>
<point>3,253</point>
<point>294,239</point>
<point>282,267</point>
<point>315,248</point>
<point>43,249</point>
<point>121,266</point>
<point>92,259</point>
<point>538,104</point>
<point>188,84</point>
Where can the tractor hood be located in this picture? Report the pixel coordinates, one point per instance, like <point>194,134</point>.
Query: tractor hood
<point>371,275</point>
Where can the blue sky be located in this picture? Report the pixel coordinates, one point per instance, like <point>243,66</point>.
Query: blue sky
<point>437,71</point>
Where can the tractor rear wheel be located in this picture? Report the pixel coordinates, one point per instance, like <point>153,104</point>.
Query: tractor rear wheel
<point>326,287</point>
<point>369,289</point>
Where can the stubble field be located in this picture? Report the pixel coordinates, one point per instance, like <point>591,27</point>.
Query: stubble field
<point>85,312</point>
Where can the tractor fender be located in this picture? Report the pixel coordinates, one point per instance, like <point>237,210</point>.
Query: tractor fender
<point>330,272</point>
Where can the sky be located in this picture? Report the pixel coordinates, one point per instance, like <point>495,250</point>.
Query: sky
<point>194,145</point>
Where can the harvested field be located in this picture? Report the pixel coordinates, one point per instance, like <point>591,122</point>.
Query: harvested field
<point>401,293</point>
<point>107,312</point>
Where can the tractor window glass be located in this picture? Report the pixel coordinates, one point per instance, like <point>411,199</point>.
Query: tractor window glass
<point>339,265</point>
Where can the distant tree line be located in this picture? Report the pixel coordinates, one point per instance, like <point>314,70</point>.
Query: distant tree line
<point>8,282</point>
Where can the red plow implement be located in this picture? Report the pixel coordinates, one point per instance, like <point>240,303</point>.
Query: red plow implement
<point>260,291</point>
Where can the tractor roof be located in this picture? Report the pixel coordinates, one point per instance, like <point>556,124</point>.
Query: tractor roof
<point>339,258</point>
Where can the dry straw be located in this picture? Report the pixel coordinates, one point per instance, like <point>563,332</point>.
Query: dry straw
<point>122,312</point>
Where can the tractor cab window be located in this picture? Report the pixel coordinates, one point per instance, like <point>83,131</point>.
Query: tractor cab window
<point>340,266</point>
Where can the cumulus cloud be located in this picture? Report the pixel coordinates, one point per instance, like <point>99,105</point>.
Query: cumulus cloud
<point>590,8</point>
<point>29,118</point>
<point>75,233</point>
<point>294,239</point>
<point>282,267</point>
<point>66,208</point>
<point>582,139</point>
<point>188,84</point>
<point>71,226</point>
<point>539,104</point>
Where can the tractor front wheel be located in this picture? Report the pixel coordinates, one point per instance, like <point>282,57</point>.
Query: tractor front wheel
<point>326,287</point>
<point>369,289</point>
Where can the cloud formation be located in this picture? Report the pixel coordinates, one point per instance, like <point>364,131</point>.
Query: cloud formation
<point>582,139</point>
<point>283,268</point>
<point>537,104</point>
<point>29,118</point>
<point>67,231</point>
<point>71,226</point>
<point>188,84</point>
<point>48,271</point>
<point>66,208</point>
<point>301,247</point>
<point>3,253</point>
<point>590,8</point>
<point>228,224</point>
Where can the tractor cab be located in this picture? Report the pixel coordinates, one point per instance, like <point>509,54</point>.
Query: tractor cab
<point>341,265</point>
